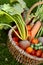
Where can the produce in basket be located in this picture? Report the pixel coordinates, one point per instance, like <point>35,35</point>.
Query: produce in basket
<point>27,36</point>
<point>31,40</point>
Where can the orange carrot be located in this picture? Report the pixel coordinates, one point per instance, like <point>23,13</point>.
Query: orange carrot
<point>35,41</point>
<point>29,33</point>
<point>35,29</point>
<point>28,27</point>
<point>29,50</point>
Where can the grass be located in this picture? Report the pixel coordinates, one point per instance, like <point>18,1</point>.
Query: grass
<point>5,57</point>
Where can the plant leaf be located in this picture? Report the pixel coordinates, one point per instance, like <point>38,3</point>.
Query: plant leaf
<point>12,1</point>
<point>19,23</point>
<point>22,28</point>
<point>21,2</point>
<point>9,9</point>
<point>39,12</point>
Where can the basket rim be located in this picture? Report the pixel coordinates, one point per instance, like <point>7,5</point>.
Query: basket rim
<point>20,49</point>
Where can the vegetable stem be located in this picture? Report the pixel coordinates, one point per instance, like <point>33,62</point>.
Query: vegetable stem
<point>11,28</point>
<point>17,18</point>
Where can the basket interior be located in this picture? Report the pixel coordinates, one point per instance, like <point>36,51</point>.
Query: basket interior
<point>21,50</point>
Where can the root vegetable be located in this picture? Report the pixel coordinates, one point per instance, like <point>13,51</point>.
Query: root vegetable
<point>24,44</point>
<point>40,39</point>
<point>35,29</point>
<point>29,33</point>
<point>28,27</point>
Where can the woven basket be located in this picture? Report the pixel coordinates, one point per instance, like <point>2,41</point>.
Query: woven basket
<point>19,54</point>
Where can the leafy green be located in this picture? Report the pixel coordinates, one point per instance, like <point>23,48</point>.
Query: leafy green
<point>12,1</point>
<point>19,23</point>
<point>13,13</point>
<point>18,7</point>
<point>9,9</point>
<point>4,49</point>
<point>12,10</point>
<point>21,2</point>
<point>39,12</point>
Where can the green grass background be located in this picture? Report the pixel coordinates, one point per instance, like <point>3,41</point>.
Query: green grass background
<point>5,56</point>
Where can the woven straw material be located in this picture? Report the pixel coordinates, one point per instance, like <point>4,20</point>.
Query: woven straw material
<point>20,55</point>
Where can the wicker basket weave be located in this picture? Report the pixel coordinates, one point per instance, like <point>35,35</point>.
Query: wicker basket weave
<point>20,55</point>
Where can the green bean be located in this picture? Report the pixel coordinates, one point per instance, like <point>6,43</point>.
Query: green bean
<point>36,48</point>
<point>32,45</point>
<point>39,44</point>
<point>41,47</point>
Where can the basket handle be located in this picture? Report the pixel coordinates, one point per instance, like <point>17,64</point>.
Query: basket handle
<point>29,12</point>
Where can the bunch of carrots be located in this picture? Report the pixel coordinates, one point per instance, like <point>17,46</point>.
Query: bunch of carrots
<point>32,31</point>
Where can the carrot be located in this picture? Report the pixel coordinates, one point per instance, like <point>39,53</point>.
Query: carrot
<point>29,33</point>
<point>28,27</point>
<point>35,29</point>
<point>35,41</point>
<point>29,50</point>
